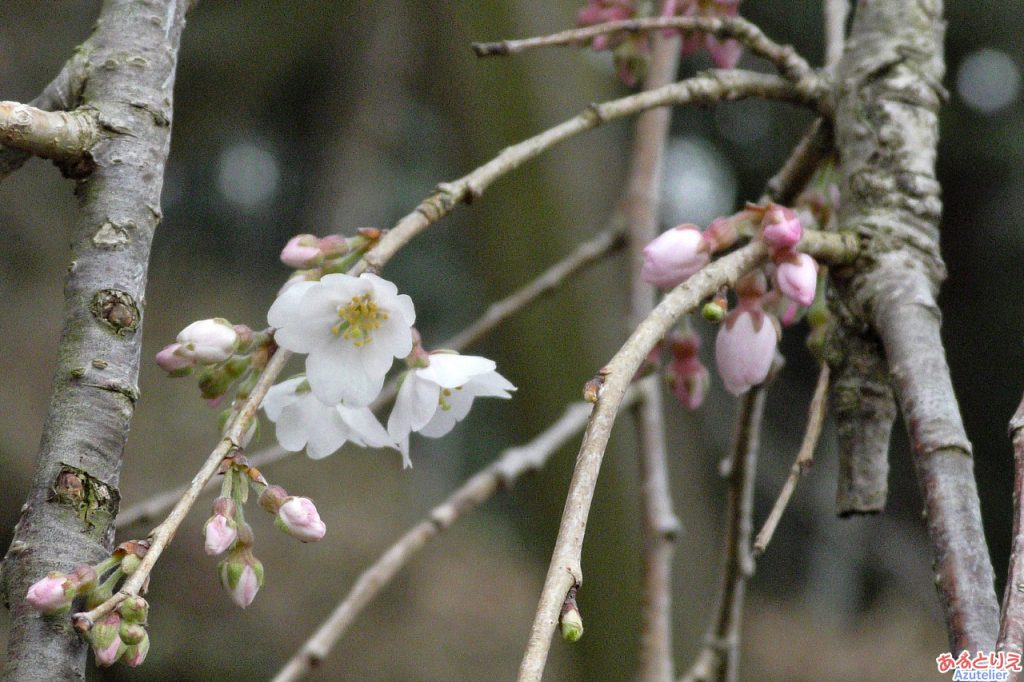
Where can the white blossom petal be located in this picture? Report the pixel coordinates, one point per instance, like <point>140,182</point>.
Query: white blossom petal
<point>280,396</point>
<point>365,427</point>
<point>450,371</point>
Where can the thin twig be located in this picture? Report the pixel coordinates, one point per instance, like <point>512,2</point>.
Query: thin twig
<point>713,86</point>
<point>814,147</point>
<point>164,533</point>
<point>802,464</point>
<point>1011,622</point>
<point>719,659</point>
<point>640,207</point>
<point>836,12</point>
<point>59,135</point>
<point>501,474</point>
<point>584,255</point>
<point>791,64</point>
<point>565,569</point>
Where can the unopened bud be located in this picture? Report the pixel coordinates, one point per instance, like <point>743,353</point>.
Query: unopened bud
<point>333,245</point>
<point>105,638</point>
<point>302,252</point>
<point>135,654</point>
<point>172,362</point>
<point>571,621</point>
<point>272,498</point>
<point>208,341</point>
<point>299,518</point>
<point>134,610</point>
<point>241,574</point>
<point>713,312</point>
<point>52,594</point>
<point>130,564</point>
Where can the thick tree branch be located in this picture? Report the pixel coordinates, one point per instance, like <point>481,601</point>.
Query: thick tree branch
<point>791,64</point>
<point>65,136</point>
<point>887,128</point>
<point>639,208</point>
<point>501,474</point>
<point>1011,622</point>
<point>67,520</point>
<point>720,657</point>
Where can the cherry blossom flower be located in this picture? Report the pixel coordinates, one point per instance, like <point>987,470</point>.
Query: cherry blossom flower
<point>674,256</point>
<point>304,421</point>
<point>745,347</point>
<point>351,327</point>
<point>434,398</point>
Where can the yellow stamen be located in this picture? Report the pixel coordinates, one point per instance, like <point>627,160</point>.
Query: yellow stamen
<point>358,320</point>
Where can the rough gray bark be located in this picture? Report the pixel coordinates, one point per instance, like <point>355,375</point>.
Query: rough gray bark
<point>126,72</point>
<point>889,92</point>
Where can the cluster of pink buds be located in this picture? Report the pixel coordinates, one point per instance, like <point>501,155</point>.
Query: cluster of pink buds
<point>241,573</point>
<point>747,339</point>
<point>315,257</point>
<point>120,634</point>
<point>632,50</point>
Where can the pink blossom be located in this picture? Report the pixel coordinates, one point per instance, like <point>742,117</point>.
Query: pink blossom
<point>745,347</point>
<point>780,227</point>
<point>220,533</point>
<point>105,637</point>
<point>298,517</point>
<point>108,655</point>
<point>169,360</point>
<point>52,593</point>
<point>302,252</point>
<point>796,276</point>
<point>674,256</point>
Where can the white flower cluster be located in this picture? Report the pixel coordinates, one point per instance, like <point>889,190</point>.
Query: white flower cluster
<point>351,330</point>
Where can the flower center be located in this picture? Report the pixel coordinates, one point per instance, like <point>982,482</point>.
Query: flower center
<point>442,399</point>
<point>358,320</point>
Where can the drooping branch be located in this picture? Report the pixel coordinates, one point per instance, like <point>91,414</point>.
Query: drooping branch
<point>639,207</point>
<point>565,569</point>
<point>1011,622</point>
<point>65,136</point>
<point>719,659</point>
<point>791,64</point>
<point>887,127</point>
<point>802,463</point>
<point>711,87</point>
<point>127,82</point>
<point>584,255</point>
<point>501,474</point>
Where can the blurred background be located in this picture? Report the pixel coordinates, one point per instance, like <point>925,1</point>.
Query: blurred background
<point>326,115</point>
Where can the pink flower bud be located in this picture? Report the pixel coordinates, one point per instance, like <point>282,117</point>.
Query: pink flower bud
<point>674,255</point>
<point>796,276</point>
<point>51,594</point>
<point>780,227</point>
<point>220,533</point>
<point>302,252</point>
<point>208,341</point>
<point>724,53</point>
<point>333,245</point>
<point>745,347</point>
<point>169,360</point>
<point>298,517</point>
<point>241,574</point>
<point>689,380</point>
<point>135,654</point>
<point>105,638</point>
